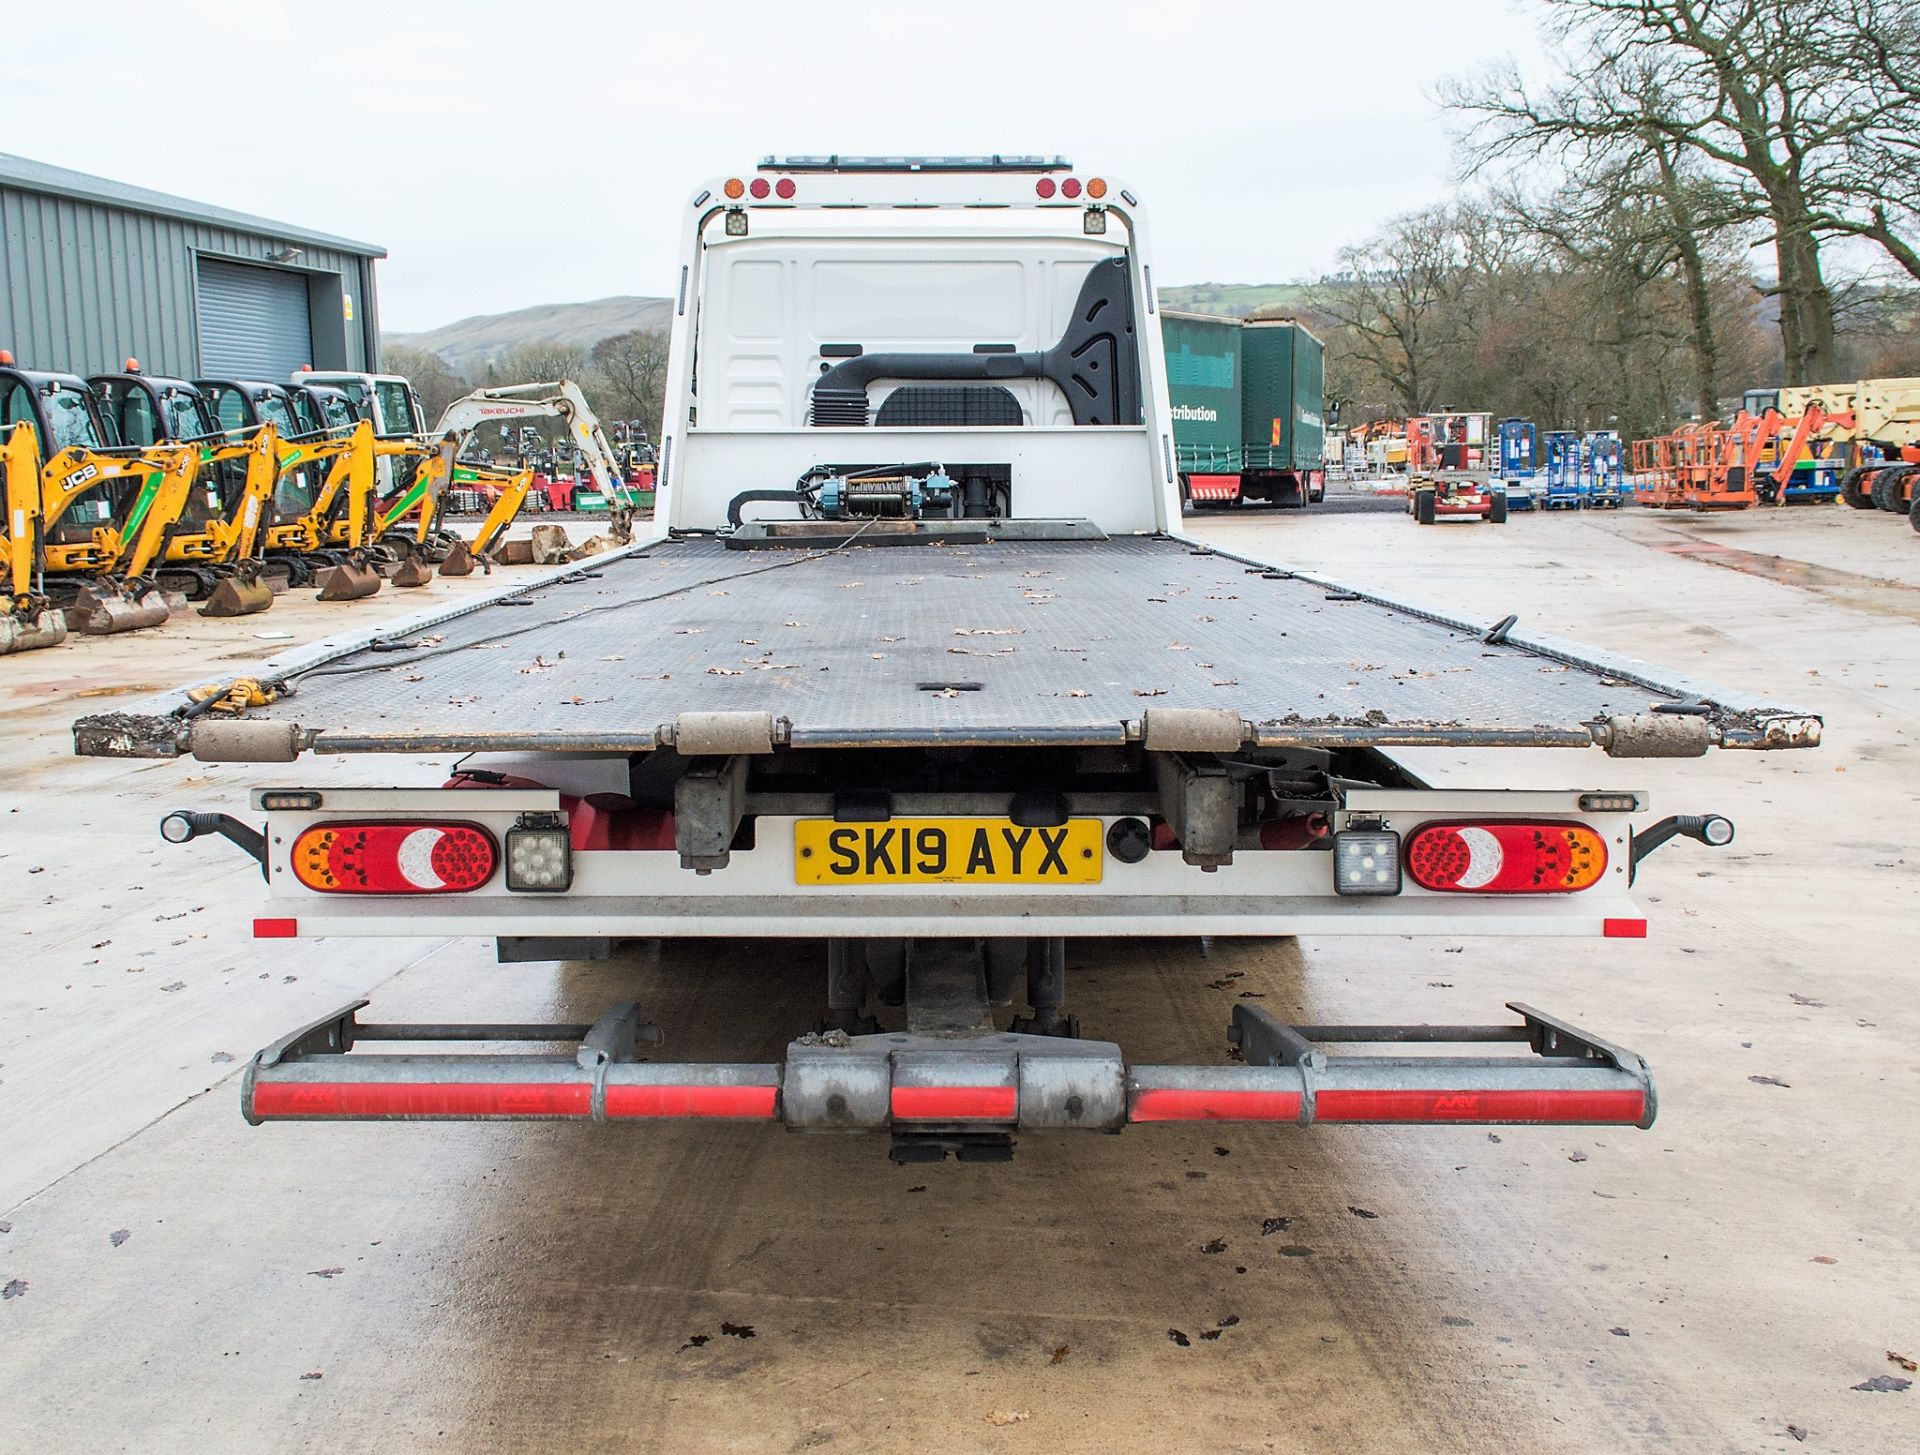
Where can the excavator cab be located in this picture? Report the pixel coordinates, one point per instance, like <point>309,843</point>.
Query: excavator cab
<point>101,512</point>
<point>212,555</point>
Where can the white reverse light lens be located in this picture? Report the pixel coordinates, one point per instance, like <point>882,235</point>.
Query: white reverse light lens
<point>1366,862</point>
<point>539,859</point>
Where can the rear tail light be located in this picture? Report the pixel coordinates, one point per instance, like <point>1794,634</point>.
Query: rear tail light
<point>759,187</point>
<point>1506,858</point>
<point>1043,188</point>
<point>783,189</point>
<point>394,858</point>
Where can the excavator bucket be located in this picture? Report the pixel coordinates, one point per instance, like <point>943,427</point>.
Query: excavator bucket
<point>348,581</point>
<point>104,609</point>
<point>459,560</point>
<point>238,596</point>
<point>29,631</point>
<point>412,572</point>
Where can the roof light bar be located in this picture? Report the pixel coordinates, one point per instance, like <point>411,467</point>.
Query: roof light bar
<point>838,163</point>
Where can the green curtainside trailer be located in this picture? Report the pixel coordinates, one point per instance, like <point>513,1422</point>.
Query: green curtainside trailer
<point>1246,397</point>
<point>1282,399</point>
<point>1203,383</point>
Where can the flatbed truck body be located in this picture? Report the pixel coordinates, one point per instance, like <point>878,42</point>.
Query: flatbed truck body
<point>957,694</point>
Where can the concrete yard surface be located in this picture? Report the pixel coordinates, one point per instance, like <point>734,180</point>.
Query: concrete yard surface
<point>1735,1279</point>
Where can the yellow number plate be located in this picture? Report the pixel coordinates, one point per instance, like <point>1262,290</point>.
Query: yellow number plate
<point>946,851</point>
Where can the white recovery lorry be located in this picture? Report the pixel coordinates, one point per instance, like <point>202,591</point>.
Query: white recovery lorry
<point>913,662</point>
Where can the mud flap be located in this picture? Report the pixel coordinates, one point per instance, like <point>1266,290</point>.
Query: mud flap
<point>957,1086</point>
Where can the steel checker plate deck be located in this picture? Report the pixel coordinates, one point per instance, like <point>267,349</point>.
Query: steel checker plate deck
<point>1012,643</point>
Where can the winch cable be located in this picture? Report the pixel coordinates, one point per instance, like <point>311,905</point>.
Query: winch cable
<point>285,685</point>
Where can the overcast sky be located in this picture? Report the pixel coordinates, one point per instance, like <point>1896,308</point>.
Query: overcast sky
<point>513,154</point>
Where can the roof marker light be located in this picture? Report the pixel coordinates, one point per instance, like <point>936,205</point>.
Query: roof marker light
<point>1043,188</point>
<point>759,187</point>
<point>1096,188</point>
<point>1070,188</point>
<point>783,189</point>
<point>735,189</point>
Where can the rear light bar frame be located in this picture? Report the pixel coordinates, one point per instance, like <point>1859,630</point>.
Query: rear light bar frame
<point>955,1086</point>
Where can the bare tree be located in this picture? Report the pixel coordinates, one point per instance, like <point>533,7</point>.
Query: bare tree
<point>539,361</point>
<point>633,370</point>
<point>1788,100</point>
<point>436,382</point>
<point>1391,304</point>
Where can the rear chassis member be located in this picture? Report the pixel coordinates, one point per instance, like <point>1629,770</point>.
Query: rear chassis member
<point>963,1091</point>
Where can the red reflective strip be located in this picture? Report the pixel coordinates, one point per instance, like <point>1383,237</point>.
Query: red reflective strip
<point>276,929</point>
<point>1515,1105</point>
<point>1178,1104</point>
<point>690,1101</point>
<point>421,1099</point>
<point>955,1103</point>
<point>1624,929</point>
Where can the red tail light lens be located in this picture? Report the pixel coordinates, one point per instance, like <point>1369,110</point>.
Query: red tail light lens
<point>395,858</point>
<point>759,187</point>
<point>1506,858</point>
<point>783,189</point>
<point>1043,188</point>
<point>1070,187</point>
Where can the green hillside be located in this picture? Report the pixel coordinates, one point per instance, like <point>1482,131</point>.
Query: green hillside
<point>1231,300</point>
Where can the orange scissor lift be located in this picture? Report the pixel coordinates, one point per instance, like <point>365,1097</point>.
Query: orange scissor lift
<point>1728,466</point>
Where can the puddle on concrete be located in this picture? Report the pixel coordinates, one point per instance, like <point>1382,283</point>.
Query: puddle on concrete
<point>1868,593</point>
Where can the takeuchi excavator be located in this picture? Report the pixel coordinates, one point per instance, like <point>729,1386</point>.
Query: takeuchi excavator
<point>102,518</point>
<point>510,405</point>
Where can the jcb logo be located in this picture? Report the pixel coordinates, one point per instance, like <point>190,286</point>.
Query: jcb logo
<point>82,475</point>
<point>1465,1104</point>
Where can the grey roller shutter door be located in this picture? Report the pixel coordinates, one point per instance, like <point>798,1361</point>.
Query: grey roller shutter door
<point>254,322</point>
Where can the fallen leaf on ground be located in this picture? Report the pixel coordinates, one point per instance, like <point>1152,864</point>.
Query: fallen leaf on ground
<point>1179,1338</point>
<point>1361,1212</point>
<point>119,1236</point>
<point>1060,1354</point>
<point>15,1287</point>
<point>737,1331</point>
<point>1883,1384</point>
<point>325,1272</point>
<point>1218,1245</point>
<point>1823,1258</point>
<point>1903,1361</point>
<point>1270,1226</point>
<point>1797,1431</point>
<point>1008,1417</point>
<point>1767,1081</point>
<point>313,1374</point>
<point>1149,692</point>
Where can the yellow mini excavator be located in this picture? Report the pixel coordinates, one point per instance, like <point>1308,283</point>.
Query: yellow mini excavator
<point>105,512</point>
<point>212,555</point>
<point>327,486</point>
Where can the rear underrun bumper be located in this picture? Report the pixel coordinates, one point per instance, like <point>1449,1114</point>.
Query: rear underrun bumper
<point>958,1086</point>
